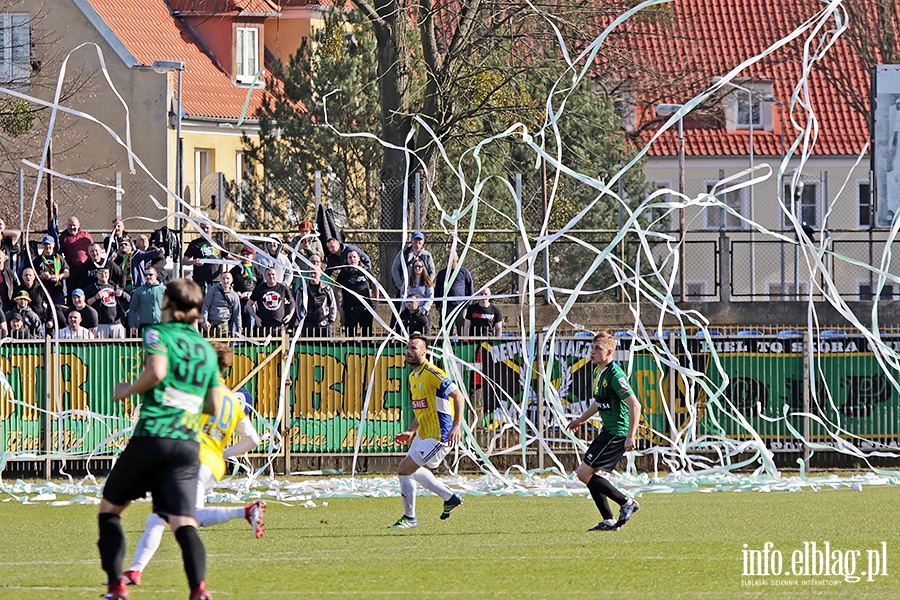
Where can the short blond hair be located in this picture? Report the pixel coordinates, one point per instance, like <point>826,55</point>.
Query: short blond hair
<point>606,340</point>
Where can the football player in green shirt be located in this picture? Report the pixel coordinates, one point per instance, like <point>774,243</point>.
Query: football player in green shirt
<point>178,382</point>
<point>620,411</point>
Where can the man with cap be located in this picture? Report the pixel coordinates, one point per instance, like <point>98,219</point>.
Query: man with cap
<point>89,317</point>
<point>17,329</point>
<point>28,317</point>
<point>197,253</point>
<point>402,269</point>
<point>274,258</point>
<point>52,268</point>
<point>306,243</point>
<point>111,303</point>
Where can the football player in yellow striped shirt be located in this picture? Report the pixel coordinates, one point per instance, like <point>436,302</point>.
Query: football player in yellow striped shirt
<point>438,407</point>
<point>216,432</point>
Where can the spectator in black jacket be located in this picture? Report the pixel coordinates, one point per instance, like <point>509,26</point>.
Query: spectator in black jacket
<point>459,289</point>
<point>8,281</point>
<point>414,317</point>
<point>29,318</point>
<point>336,256</point>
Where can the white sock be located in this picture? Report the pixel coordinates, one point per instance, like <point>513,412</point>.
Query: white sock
<point>149,542</point>
<point>214,516</point>
<point>432,483</point>
<point>408,492</point>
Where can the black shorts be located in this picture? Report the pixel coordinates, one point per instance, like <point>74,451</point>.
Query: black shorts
<point>166,468</point>
<point>605,451</point>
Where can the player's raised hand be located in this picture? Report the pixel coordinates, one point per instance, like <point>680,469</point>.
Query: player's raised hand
<point>122,390</point>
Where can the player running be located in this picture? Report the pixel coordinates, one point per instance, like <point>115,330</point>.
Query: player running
<point>436,427</point>
<point>215,433</point>
<point>179,380</point>
<point>621,412</point>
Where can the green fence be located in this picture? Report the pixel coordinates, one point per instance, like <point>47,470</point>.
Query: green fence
<point>335,387</point>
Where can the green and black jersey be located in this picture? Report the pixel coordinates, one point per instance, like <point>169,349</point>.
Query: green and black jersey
<point>172,408</point>
<point>611,387</point>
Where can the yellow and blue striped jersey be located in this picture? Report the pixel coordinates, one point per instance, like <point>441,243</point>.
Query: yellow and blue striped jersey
<point>216,430</point>
<point>430,390</point>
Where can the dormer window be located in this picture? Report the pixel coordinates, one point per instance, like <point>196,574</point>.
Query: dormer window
<point>246,54</point>
<point>15,49</point>
<point>748,115</point>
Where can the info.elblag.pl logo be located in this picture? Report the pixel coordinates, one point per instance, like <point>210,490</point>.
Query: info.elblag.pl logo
<point>813,563</point>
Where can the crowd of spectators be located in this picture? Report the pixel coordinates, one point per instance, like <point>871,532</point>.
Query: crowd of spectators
<point>66,285</point>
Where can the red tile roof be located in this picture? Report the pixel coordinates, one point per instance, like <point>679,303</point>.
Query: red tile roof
<point>224,6</point>
<point>711,37</point>
<point>150,33</point>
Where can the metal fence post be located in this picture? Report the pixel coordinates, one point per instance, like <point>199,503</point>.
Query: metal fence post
<point>806,393</point>
<point>417,194</point>
<point>725,268</point>
<point>541,382</point>
<point>318,188</point>
<point>118,194</point>
<point>21,199</point>
<point>286,429</point>
<point>49,369</point>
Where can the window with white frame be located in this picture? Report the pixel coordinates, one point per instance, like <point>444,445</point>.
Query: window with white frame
<point>864,193</point>
<point>748,113</point>
<point>246,54</point>
<point>804,202</point>
<point>15,48</point>
<point>720,218</point>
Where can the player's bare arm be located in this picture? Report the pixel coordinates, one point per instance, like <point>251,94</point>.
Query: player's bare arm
<point>459,401</point>
<point>404,436</point>
<point>211,401</point>
<point>155,369</point>
<point>634,418</point>
<point>589,412</point>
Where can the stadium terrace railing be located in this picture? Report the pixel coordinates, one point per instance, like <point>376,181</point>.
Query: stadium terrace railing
<point>344,396</point>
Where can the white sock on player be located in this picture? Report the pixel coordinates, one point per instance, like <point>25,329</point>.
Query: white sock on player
<point>427,479</point>
<point>408,491</point>
<point>214,516</point>
<point>149,542</point>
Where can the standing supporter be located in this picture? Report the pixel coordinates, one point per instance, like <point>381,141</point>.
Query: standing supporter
<point>402,270</point>
<point>273,257</point>
<point>271,305</point>
<point>38,298</point>
<point>8,281</point>
<point>74,330</point>
<point>110,301</point>
<point>620,411</point>
<point>316,303</point>
<point>484,318</point>
<point>10,241</point>
<point>162,456</point>
<point>216,432</point>
<point>4,330</point>
<point>457,291</point>
<point>144,255</point>
<point>74,243</point>
<point>87,274</point>
<point>306,243</point>
<point>221,311</point>
<point>356,298</point>
<point>17,329</point>
<point>420,284</point>
<point>336,256</point>
<point>245,280</point>
<point>198,252</point>
<point>31,321</point>
<point>146,303</point>
<point>53,269</point>
<point>414,317</point>
<point>112,242</point>
<point>438,407</point>
<point>89,316</point>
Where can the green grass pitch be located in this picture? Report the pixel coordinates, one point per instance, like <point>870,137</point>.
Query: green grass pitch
<point>677,546</point>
